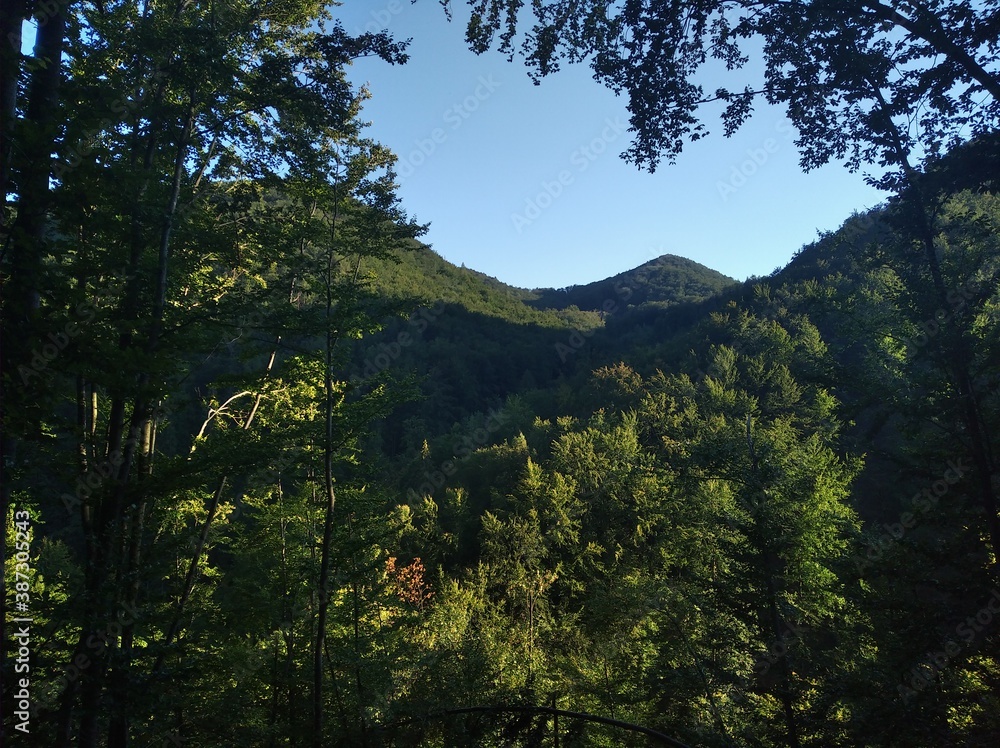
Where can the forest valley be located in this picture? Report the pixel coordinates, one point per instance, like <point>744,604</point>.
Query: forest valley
<point>276,474</point>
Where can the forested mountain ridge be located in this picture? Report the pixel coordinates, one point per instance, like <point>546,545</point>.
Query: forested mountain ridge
<point>475,341</point>
<point>420,273</point>
<point>666,280</point>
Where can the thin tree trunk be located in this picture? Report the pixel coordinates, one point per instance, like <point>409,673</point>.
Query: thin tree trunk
<point>22,244</point>
<point>330,501</point>
<point>330,496</point>
<point>213,507</point>
<point>785,690</point>
<point>143,422</point>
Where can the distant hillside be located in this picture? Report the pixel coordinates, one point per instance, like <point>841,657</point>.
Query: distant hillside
<point>665,281</point>
<point>475,341</point>
<point>423,274</point>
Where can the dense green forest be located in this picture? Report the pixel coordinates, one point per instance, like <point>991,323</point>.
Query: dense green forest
<point>277,474</point>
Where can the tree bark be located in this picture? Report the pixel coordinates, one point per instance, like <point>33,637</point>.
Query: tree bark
<point>330,500</point>
<point>23,241</point>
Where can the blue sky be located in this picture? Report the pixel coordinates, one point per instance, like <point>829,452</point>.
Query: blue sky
<point>525,182</point>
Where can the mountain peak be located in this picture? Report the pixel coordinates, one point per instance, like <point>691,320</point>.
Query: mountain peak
<point>665,280</point>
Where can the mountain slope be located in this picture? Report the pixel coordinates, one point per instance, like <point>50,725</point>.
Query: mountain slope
<point>475,341</point>
<point>666,280</point>
<point>423,275</point>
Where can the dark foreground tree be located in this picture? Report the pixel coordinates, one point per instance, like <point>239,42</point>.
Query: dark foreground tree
<point>164,167</point>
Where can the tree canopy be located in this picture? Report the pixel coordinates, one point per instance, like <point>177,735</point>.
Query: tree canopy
<point>863,81</point>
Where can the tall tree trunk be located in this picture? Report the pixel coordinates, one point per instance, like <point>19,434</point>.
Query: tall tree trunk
<point>324,575</point>
<point>118,735</point>
<point>777,631</point>
<point>330,501</point>
<point>23,241</point>
<point>32,162</point>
